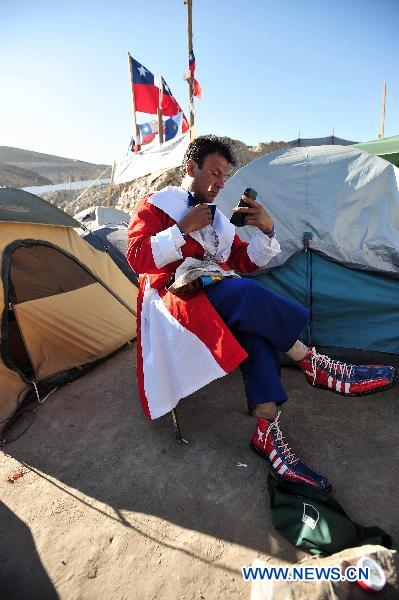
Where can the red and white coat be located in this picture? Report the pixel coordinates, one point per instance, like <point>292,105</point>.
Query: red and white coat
<point>182,344</point>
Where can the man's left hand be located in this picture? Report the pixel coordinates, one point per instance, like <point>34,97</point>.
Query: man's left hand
<point>256,215</point>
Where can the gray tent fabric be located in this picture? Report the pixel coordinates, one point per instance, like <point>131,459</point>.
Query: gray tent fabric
<point>19,206</point>
<point>345,202</point>
<point>113,240</point>
<point>324,141</point>
<point>99,216</point>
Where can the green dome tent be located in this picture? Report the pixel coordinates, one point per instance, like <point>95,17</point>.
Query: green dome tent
<point>387,148</point>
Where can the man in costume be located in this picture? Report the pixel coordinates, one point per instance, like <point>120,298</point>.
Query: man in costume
<point>186,341</point>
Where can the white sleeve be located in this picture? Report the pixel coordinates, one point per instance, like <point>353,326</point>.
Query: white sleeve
<point>166,245</point>
<point>261,249</point>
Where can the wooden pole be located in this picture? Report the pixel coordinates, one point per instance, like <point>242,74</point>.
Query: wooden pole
<point>136,127</point>
<point>190,80</point>
<point>111,181</point>
<point>160,125</point>
<point>159,109</point>
<point>384,97</point>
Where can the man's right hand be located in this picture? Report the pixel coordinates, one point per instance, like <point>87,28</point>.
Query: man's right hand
<point>197,217</point>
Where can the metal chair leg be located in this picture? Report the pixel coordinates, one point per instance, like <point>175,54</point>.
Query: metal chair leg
<point>179,437</point>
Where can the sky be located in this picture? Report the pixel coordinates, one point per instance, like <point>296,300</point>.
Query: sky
<point>267,69</point>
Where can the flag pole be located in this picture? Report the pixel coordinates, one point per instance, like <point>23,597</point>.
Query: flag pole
<point>160,125</point>
<point>111,182</point>
<point>136,127</point>
<point>159,112</point>
<point>190,80</point>
<point>384,97</point>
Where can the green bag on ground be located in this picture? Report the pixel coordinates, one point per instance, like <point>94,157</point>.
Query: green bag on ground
<point>314,521</point>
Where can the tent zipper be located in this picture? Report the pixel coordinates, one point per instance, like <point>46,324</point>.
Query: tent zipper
<point>307,239</point>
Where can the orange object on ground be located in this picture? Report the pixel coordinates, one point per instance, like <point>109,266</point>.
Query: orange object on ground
<point>14,476</point>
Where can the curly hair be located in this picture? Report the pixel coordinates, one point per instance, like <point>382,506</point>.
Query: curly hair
<point>199,149</point>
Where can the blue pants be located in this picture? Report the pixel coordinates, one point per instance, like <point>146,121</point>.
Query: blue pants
<point>263,323</point>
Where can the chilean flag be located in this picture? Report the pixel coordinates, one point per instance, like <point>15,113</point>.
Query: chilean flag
<point>191,62</point>
<point>197,91</point>
<point>145,92</point>
<point>169,105</point>
<point>148,132</point>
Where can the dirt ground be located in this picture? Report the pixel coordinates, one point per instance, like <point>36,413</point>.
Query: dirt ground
<point>111,507</point>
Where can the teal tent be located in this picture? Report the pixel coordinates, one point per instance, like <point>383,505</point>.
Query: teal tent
<point>336,214</point>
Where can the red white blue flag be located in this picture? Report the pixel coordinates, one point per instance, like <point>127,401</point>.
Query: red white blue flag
<point>172,126</point>
<point>170,106</point>
<point>145,92</point>
<point>191,63</point>
<point>197,91</point>
<point>148,131</point>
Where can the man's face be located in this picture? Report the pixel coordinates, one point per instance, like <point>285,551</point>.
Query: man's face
<point>209,180</point>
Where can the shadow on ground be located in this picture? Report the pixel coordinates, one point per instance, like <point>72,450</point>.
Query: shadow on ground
<point>26,578</point>
<point>92,436</point>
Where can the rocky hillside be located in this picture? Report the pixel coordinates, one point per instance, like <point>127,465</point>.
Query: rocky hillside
<point>243,154</point>
<point>12,176</point>
<point>126,196</point>
<point>55,169</point>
